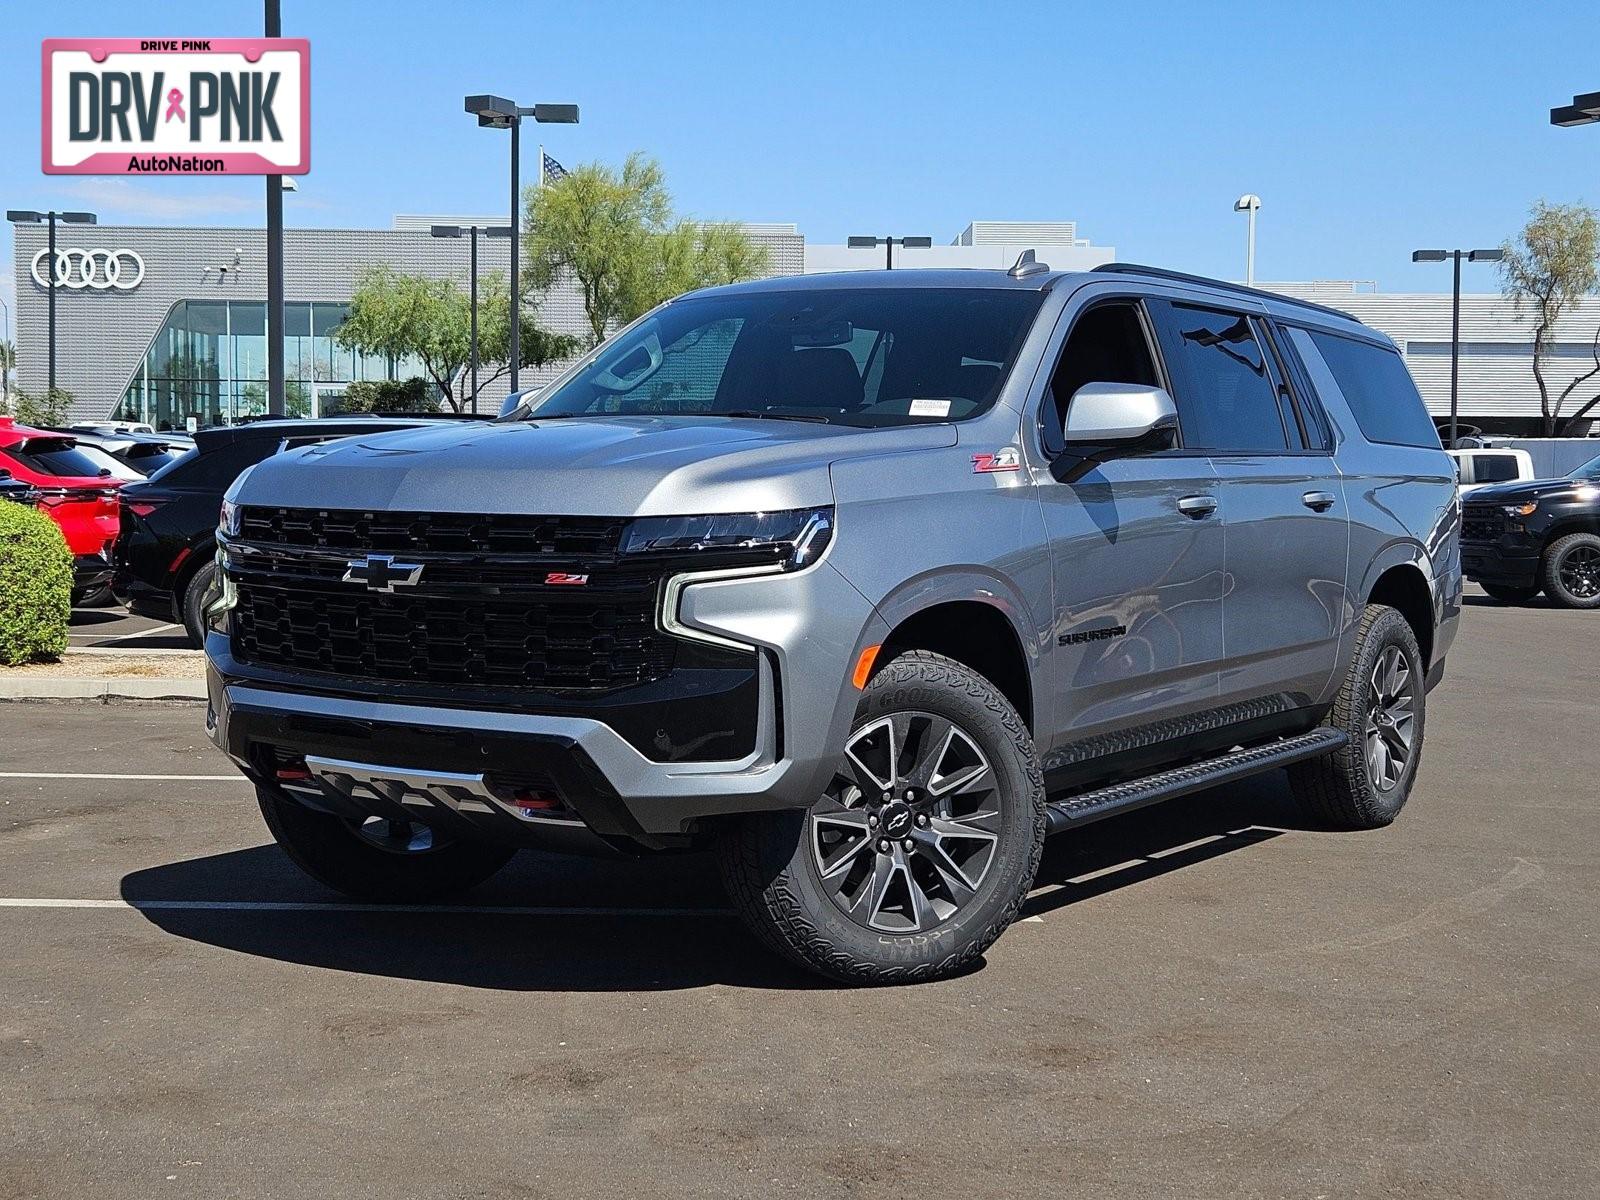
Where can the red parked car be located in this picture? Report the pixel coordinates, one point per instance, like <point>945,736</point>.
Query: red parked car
<point>77,487</point>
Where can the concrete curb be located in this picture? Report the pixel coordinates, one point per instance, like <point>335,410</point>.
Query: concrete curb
<point>45,687</point>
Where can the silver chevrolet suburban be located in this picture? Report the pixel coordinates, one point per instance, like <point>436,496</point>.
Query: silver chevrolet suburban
<point>865,582</point>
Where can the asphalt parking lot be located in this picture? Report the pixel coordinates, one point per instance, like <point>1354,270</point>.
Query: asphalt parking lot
<point>1211,999</point>
<point>116,628</point>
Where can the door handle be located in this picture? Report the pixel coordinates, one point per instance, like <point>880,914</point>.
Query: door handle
<point>1197,506</point>
<point>1318,501</point>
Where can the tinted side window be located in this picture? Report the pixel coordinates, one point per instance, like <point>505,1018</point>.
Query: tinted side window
<point>1225,395</point>
<point>1379,390</point>
<point>1107,345</point>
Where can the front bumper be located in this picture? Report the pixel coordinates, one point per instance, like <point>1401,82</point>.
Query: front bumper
<point>808,627</point>
<point>1508,560</point>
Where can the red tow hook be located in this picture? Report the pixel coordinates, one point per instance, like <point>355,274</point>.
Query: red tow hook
<point>534,801</point>
<point>294,771</point>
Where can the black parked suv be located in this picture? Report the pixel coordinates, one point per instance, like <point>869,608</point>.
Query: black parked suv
<point>1518,539</point>
<point>164,553</point>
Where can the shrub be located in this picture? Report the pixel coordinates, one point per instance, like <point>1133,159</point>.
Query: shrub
<point>390,395</point>
<point>42,408</point>
<point>35,585</point>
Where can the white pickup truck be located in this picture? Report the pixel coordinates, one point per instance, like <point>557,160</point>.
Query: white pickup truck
<point>1477,468</point>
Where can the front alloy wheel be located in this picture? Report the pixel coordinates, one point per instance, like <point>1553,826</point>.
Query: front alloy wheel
<point>907,831</point>
<point>922,846</point>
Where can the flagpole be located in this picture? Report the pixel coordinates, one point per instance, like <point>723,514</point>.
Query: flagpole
<point>541,166</point>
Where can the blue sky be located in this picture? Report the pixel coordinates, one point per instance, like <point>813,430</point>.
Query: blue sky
<point>1368,129</point>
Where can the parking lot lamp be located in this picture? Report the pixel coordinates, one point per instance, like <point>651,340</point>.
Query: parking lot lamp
<point>1584,110</point>
<point>1249,203</point>
<point>454,231</point>
<point>1455,312</point>
<point>496,112</point>
<point>24,216</point>
<point>888,244</point>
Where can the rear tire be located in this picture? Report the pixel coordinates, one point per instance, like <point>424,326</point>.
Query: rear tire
<point>1381,706</point>
<point>334,852</point>
<point>197,594</point>
<point>1571,571</point>
<point>963,829</point>
<point>1506,594</point>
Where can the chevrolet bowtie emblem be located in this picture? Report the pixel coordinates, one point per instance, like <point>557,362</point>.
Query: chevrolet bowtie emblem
<point>381,573</point>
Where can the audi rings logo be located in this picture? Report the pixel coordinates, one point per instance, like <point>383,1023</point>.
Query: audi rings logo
<point>98,269</point>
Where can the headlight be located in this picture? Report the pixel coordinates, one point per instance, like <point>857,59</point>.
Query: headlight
<point>795,537</point>
<point>1526,509</point>
<point>228,526</point>
<point>221,601</point>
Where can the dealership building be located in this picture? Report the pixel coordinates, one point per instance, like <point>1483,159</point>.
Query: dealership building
<point>167,323</point>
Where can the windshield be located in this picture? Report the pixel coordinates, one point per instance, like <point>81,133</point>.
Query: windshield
<point>851,356</point>
<point>1589,470</point>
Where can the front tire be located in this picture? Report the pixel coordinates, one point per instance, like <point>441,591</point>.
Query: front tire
<point>1381,706</point>
<point>923,847</point>
<point>385,861</point>
<point>1571,569</point>
<point>197,594</point>
<point>1507,594</point>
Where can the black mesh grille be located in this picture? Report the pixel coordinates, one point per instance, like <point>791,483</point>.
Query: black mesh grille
<point>481,613</point>
<point>1482,522</point>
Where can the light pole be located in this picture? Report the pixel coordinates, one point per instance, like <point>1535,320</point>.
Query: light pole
<point>1584,110</point>
<point>454,231</point>
<point>1249,203</point>
<point>10,351</point>
<point>888,244</point>
<point>496,112</point>
<point>1455,311</point>
<point>24,216</point>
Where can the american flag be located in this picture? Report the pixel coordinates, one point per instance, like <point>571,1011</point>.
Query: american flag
<point>553,170</point>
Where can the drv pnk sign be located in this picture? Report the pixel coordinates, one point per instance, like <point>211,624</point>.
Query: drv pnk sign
<point>170,106</point>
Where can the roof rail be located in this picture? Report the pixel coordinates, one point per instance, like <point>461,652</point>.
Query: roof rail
<point>1120,268</point>
<point>1027,264</point>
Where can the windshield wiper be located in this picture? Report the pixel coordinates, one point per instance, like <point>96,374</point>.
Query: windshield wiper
<point>752,414</point>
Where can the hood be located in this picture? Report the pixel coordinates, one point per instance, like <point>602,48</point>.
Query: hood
<point>1525,489</point>
<point>583,466</point>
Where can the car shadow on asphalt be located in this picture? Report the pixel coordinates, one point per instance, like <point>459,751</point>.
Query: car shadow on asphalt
<point>651,944</point>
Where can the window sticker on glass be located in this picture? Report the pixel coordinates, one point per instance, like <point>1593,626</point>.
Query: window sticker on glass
<point>930,408</point>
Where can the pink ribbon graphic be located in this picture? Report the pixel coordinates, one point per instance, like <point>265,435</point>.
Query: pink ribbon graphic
<point>175,106</point>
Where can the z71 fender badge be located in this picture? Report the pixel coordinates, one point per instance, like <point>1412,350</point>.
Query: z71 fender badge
<point>562,579</point>
<point>1007,458</point>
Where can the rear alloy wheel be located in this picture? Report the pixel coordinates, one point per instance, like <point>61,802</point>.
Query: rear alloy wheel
<point>921,848</point>
<point>1572,571</point>
<point>1381,707</point>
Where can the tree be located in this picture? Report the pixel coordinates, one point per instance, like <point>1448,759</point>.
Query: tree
<point>415,316</point>
<point>8,364</point>
<point>1551,264</point>
<point>42,409</point>
<point>614,233</point>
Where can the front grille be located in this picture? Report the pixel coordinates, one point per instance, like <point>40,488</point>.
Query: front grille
<point>1482,522</point>
<point>481,612</point>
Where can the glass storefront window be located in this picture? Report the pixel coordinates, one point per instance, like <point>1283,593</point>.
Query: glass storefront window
<point>209,361</point>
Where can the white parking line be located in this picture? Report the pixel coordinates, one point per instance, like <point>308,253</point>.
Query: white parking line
<point>132,778</point>
<point>122,637</point>
<point>333,906</point>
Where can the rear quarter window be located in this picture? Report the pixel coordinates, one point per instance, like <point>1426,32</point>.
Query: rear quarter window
<point>1376,387</point>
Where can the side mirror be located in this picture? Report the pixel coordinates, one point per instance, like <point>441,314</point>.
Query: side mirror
<point>515,400</point>
<point>1118,413</point>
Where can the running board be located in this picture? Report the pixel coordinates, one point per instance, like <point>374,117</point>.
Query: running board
<point>1180,781</point>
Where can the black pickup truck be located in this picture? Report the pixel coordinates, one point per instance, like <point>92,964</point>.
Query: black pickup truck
<point>1537,535</point>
